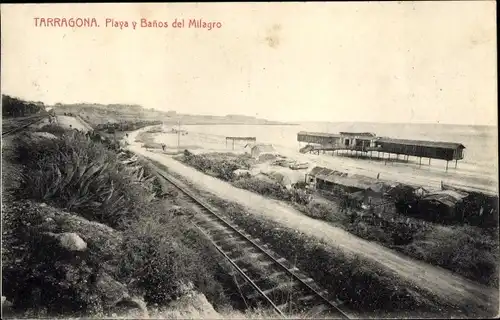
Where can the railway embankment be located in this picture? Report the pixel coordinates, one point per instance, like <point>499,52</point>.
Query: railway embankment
<point>88,232</point>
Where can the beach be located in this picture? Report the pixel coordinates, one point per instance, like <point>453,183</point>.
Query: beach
<point>476,172</point>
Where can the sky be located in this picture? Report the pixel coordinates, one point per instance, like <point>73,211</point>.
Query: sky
<point>432,62</point>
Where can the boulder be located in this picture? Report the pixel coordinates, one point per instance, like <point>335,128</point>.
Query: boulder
<point>192,305</point>
<point>72,242</point>
<point>109,290</point>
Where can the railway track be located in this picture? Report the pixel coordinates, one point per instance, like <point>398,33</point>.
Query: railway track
<point>24,123</point>
<point>266,277</point>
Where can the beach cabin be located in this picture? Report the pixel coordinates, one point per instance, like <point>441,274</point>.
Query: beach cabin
<point>258,151</point>
<point>441,205</point>
<point>357,140</point>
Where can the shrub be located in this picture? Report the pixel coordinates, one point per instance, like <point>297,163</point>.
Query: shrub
<point>14,107</point>
<point>220,168</point>
<point>162,255</point>
<point>466,250</point>
<point>267,188</point>
<point>79,175</point>
<point>54,129</point>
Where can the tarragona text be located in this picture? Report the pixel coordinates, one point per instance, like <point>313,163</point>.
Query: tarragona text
<point>121,24</point>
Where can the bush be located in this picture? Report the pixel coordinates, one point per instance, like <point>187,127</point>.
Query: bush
<point>466,250</point>
<point>161,253</point>
<point>79,175</point>
<point>266,188</point>
<point>14,107</point>
<point>54,129</point>
<point>220,168</point>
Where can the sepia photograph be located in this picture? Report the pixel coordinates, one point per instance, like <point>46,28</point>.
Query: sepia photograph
<point>278,160</point>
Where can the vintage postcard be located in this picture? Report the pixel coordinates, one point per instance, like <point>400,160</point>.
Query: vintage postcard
<point>313,160</point>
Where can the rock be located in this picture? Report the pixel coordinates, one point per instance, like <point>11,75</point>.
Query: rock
<point>66,256</point>
<point>72,242</point>
<point>132,307</point>
<point>192,305</point>
<point>110,291</point>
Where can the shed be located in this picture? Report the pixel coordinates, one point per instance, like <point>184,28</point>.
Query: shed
<point>440,205</point>
<point>280,178</point>
<point>259,149</point>
<point>312,175</point>
<point>349,183</point>
<point>373,200</point>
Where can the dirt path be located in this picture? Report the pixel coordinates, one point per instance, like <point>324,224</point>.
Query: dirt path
<point>74,122</point>
<point>441,282</point>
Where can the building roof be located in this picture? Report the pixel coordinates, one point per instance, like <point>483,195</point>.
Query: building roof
<point>447,197</point>
<point>366,134</point>
<point>410,142</point>
<point>348,181</point>
<point>367,195</point>
<point>263,148</point>
<point>242,138</point>
<point>355,181</point>
<point>320,134</point>
<point>432,144</point>
<point>325,171</point>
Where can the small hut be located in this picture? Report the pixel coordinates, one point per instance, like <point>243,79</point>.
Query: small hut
<point>259,150</point>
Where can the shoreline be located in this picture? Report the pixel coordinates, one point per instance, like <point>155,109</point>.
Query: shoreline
<point>429,177</point>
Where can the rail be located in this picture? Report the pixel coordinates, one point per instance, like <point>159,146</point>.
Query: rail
<point>255,245</point>
<point>24,126</point>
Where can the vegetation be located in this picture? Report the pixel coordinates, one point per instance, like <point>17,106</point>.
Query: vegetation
<point>125,125</point>
<point>362,285</point>
<point>14,107</point>
<point>218,165</point>
<point>70,183</point>
<point>467,250</point>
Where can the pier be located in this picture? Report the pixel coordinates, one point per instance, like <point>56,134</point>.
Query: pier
<point>366,143</point>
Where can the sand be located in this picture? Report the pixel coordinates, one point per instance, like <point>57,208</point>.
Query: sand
<point>447,285</point>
